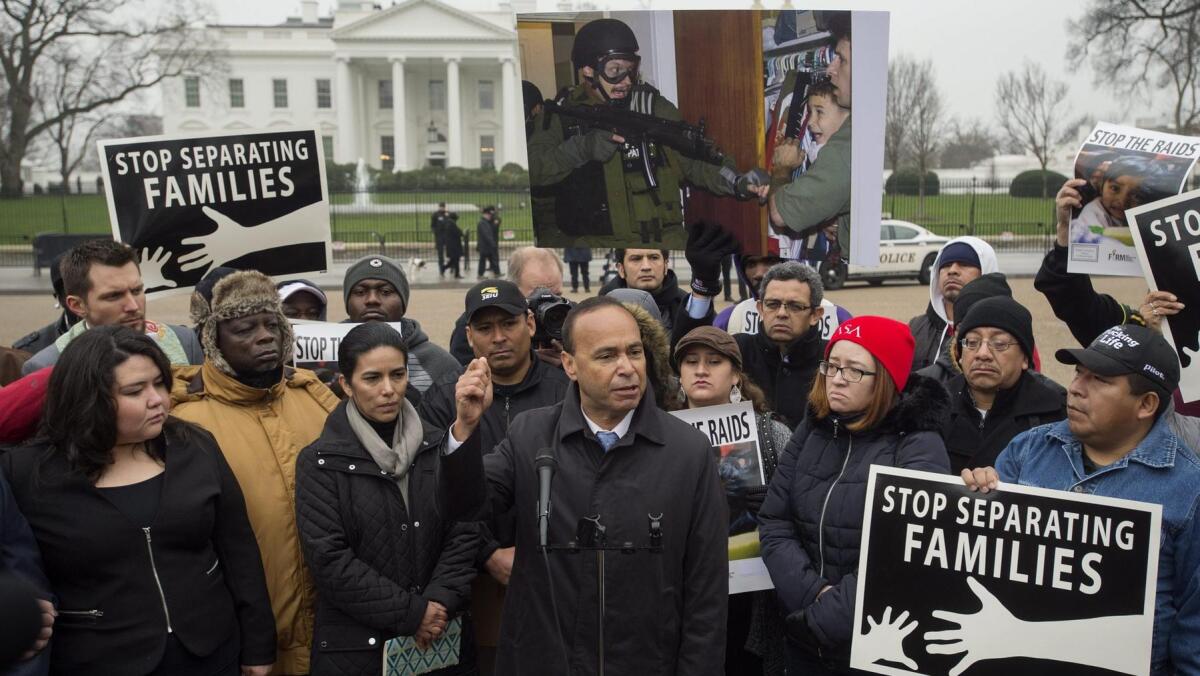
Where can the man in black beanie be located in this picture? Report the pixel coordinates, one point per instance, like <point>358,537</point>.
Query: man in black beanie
<point>984,286</point>
<point>996,396</point>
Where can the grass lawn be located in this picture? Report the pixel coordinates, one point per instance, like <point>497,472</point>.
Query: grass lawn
<point>943,214</point>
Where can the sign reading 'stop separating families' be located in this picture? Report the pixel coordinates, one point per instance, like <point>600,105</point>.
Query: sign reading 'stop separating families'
<point>1018,581</point>
<point>1167,234</point>
<point>1124,168</point>
<point>190,204</point>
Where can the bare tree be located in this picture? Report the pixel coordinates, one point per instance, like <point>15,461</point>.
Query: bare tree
<point>136,45</point>
<point>898,116</point>
<point>1031,111</point>
<point>928,126</point>
<point>967,141</point>
<point>1142,48</point>
<point>70,135</point>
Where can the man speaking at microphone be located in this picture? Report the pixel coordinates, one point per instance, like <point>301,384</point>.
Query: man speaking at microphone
<point>619,457</point>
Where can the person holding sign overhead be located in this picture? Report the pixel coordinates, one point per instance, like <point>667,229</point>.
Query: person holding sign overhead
<point>710,372</point>
<point>865,408</point>
<point>1116,442</point>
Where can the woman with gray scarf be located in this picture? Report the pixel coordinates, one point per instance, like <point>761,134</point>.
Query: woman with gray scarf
<point>389,570</point>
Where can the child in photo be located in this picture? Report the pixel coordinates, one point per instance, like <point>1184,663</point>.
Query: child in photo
<point>1121,190</point>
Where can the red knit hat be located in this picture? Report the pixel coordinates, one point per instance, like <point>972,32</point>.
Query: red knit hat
<point>887,340</point>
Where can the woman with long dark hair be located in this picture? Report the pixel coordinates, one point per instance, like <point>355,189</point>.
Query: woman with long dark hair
<point>141,523</point>
<point>865,409</point>
<point>385,563</point>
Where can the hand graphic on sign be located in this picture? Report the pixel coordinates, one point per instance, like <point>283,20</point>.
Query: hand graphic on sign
<point>151,267</point>
<point>995,633</point>
<point>232,240</point>
<point>885,639</point>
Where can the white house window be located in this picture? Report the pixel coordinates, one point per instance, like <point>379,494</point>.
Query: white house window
<point>387,148</point>
<point>385,94</point>
<point>279,88</point>
<point>487,151</point>
<point>487,95</point>
<point>324,97</point>
<point>327,146</point>
<point>237,93</point>
<point>191,92</point>
<point>437,94</point>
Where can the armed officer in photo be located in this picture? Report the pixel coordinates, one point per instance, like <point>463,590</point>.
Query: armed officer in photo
<point>593,184</point>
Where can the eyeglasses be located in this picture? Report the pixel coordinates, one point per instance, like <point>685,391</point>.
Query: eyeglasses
<point>774,305</point>
<point>849,373</point>
<point>995,345</point>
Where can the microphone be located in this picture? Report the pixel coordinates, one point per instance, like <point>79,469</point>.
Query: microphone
<point>546,466</point>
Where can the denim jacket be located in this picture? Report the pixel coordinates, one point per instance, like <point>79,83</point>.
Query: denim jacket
<point>1159,470</point>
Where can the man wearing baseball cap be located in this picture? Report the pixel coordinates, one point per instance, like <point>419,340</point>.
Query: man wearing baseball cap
<point>1115,442</point>
<point>500,328</point>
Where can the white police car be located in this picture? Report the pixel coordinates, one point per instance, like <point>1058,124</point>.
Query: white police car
<point>906,251</point>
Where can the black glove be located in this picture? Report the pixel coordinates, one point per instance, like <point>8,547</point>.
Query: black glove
<point>595,146</point>
<point>753,498</point>
<point>707,245</point>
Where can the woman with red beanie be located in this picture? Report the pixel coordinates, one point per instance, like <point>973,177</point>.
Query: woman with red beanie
<point>865,408</point>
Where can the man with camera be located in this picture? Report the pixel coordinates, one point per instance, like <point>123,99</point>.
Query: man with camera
<point>500,328</point>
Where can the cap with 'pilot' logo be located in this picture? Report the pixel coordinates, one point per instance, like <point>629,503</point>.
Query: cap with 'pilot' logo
<point>1129,349</point>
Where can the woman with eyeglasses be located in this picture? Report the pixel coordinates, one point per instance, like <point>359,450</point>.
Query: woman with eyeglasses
<point>865,409</point>
<point>709,363</point>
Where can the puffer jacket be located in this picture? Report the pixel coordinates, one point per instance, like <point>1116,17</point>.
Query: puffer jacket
<point>932,329</point>
<point>811,520</point>
<point>261,433</point>
<point>377,562</point>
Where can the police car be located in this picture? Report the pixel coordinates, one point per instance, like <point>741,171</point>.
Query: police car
<point>906,251</point>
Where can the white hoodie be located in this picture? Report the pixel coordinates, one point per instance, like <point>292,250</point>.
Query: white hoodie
<point>987,264</point>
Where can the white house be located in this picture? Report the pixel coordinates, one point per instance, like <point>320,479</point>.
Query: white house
<point>417,84</point>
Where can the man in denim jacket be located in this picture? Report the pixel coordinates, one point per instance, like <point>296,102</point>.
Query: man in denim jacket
<point>1115,442</point>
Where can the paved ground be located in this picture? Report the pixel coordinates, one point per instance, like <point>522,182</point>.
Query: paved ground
<point>437,308</point>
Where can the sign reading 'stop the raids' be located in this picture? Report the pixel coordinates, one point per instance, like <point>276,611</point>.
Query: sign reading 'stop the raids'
<point>317,343</point>
<point>1123,168</point>
<point>1167,234</point>
<point>1018,581</point>
<point>189,204</point>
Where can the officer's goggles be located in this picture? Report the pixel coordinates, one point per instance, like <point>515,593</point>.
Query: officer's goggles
<point>614,68</point>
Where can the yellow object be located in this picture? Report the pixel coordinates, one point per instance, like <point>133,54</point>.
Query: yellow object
<point>744,546</point>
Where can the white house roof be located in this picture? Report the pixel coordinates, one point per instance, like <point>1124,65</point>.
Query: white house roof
<point>413,20</point>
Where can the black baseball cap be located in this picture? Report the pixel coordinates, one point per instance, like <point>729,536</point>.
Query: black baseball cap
<point>1126,349</point>
<point>499,293</point>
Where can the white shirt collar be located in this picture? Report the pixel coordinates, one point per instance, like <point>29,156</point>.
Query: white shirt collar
<point>620,429</point>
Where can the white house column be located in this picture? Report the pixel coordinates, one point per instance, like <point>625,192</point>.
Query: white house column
<point>347,148</point>
<point>512,120</point>
<point>399,125</point>
<point>454,115</point>
<point>364,99</point>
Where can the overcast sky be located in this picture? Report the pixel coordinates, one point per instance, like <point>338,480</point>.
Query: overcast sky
<point>972,44</point>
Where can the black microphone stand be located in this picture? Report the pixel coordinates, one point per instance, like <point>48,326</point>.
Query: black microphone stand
<point>592,536</point>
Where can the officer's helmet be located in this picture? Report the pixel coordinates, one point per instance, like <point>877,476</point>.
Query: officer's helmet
<point>602,41</point>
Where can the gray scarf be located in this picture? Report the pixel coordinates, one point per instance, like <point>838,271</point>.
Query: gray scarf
<point>397,458</point>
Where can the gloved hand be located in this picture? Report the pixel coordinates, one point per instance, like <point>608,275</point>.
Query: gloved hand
<point>707,245</point>
<point>753,497</point>
<point>751,184</point>
<point>595,146</point>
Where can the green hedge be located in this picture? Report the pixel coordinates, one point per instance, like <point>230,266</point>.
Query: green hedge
<point>907,182</point>
<point>1036,183</point>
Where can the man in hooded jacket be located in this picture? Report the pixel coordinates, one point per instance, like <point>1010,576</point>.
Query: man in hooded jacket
<point>262,413</point>
<point>959,261</point>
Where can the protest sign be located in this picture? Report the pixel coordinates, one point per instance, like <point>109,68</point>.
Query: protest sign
<point>733,431</point>
<point>1124,168</point>
<point>1167,235</point>
<point>317,343</point>
<point>1020,580</point>
<point>189,204</point>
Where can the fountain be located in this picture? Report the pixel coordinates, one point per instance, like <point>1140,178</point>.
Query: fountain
<point>364,200</point>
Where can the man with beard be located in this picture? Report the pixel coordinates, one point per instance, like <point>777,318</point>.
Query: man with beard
<point>590,185</point>
<point>960,261</point>
<point>262,413</point>
<point>103,286</point>
<point>996,396</point>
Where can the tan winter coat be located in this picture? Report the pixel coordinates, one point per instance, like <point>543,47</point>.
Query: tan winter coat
<point>261,432</point>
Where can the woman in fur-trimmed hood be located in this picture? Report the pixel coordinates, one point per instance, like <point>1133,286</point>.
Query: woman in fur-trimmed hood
<point>262,413</point>
<point>865,409</point>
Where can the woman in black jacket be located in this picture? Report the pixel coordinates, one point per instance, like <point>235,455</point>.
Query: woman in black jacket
<point>385,563</point>
<point>141,523</point>
<point>864,409</point>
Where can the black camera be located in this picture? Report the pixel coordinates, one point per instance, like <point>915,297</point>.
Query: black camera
<point>549,314</point>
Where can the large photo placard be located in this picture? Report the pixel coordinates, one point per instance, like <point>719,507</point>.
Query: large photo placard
<point>189,204</point>
<point>1016,581</point>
